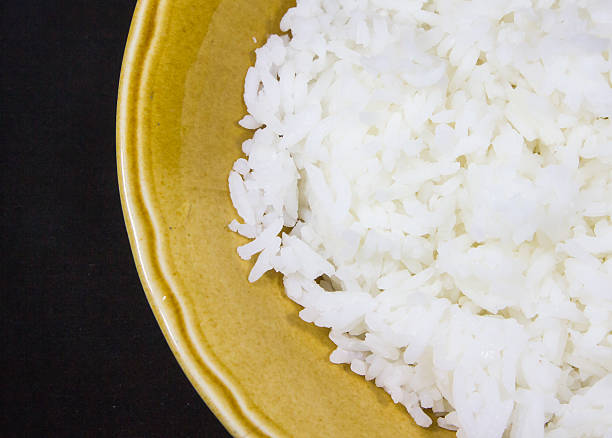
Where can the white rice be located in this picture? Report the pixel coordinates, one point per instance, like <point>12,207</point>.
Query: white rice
<point>446,169</point>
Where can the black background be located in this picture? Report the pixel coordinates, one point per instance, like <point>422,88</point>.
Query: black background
<point>83,355</point>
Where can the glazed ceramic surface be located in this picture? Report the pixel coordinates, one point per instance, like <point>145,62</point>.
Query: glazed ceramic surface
<point>262,370</point>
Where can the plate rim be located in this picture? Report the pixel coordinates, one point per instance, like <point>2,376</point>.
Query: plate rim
<point>140,50</point>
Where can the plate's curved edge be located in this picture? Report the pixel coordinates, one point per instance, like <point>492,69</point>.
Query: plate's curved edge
<point>141,230</point>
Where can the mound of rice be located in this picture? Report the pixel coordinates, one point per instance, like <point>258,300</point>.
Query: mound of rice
<point>445,167</point>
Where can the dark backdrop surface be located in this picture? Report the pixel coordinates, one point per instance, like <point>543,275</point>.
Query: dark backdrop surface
<point>83,355</point>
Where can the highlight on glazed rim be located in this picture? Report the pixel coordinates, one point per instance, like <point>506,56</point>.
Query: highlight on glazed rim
<point>433,179</point>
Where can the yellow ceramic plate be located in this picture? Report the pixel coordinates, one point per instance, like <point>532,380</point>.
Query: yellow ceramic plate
<point>261,369</point>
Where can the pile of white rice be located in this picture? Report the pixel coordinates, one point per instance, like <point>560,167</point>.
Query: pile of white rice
<point>445,168</point>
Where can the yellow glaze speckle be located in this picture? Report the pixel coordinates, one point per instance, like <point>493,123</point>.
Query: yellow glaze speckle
<point>262,370</point>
